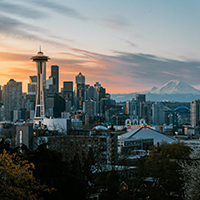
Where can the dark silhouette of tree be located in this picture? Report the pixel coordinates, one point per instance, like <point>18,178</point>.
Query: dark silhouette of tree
<point>4,145</point>
<point>65,177</point>
<point>163,169</point>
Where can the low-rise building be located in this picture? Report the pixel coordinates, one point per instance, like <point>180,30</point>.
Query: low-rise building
<point>125,145</point>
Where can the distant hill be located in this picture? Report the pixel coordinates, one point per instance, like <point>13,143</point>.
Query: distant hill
<point>173,90</point>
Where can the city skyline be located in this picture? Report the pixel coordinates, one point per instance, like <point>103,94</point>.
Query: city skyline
<point>127,46</point>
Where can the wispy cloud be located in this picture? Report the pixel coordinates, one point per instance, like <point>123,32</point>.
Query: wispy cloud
<point>13,21</point>
<point>16,29</point>
<point>10,25</point>
<point>20,10</point>
<point>113,22</point>
<point>130,43</point>
<point>58,8</point>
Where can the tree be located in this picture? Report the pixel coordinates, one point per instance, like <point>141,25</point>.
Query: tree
<point>109,181</point>
<point>4,145</point>
<point>17,181</point>
<point>89,165</point>
<point>191,178</point>
<point>66,178</point>
<point>162,166</point>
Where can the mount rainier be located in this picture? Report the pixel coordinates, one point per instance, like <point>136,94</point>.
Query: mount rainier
<point>173,90</point>
<point>174,87</point>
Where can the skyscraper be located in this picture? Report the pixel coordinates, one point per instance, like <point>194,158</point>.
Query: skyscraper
<point>32,85</point>
<point>195,112</point>
<point>49,96</point>
<point>41,78</point>
<point>55,75</point>
<point>158,113</point>
<point>100,94</point>
<point>50,89</point>
<point>145,111</point>
<point>12,97</point>
<point>132,109</point>
<point>59,105</point>
<point>1,94</point>
<point>79,91</point>
<point>141,97</point>
<point>91,93</point>
<point>89,107</point>
<point>67,91</point>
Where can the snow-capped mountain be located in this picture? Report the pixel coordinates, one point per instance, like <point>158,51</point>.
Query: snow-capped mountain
<point>175,87</point>
<point>173,90</point>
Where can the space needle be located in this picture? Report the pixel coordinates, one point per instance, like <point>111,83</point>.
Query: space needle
<point>40,60</point>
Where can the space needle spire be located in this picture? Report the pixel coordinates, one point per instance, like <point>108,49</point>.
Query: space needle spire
<point>40,60</point>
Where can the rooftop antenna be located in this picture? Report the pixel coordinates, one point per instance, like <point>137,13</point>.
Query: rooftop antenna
<point>40,48</point>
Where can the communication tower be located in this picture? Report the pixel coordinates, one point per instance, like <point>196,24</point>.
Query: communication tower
<point>40,60</point>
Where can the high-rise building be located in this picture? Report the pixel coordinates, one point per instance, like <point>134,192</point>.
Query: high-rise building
<point>89,107</point>
<point>55,75</point>
<point>103,103</point>
<point>145,111</point>
<point>79,91</point>
<point>50,89</point>
<point>41,60</point>
<point>109,113</point>
<point>97,85</point>
<point>68,106</point>
<point>100,94</point>
<point>67,91</point>
<point>80,78</point>
<point>158,113</point>
<point>68,85</point>
<point>32,85</point>
<point>141,97</point>
<point>1,94</point>
<point>30,101</point>
<point>195,112</point>
<point>12,97</point>
<point>59,105</point>
<point>145,107</point>
<point>91,93</point>
<point>30,97</point>
<point>132,109</point>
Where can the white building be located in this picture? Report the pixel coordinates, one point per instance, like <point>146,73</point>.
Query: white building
<point>58,124</point>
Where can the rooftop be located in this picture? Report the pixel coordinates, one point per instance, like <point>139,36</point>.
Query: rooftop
<point>148,133</point>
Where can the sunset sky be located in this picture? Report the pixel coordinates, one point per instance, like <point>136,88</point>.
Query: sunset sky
<point>127,46</point>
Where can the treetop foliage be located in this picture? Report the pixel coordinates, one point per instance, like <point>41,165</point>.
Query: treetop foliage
<point>178,151</point>
<point>17,180</point>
